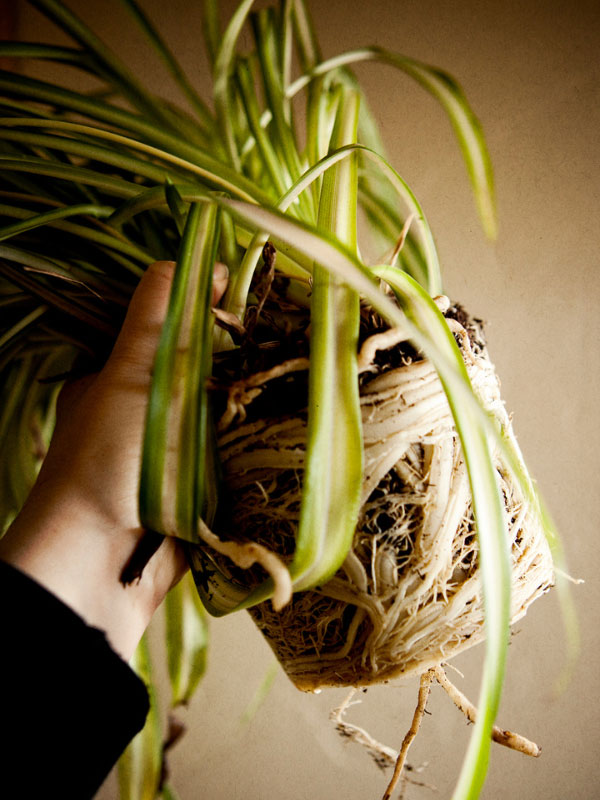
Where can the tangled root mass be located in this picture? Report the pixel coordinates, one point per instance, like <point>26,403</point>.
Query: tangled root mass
<point>408,595</point>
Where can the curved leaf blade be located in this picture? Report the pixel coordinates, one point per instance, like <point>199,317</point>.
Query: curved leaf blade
<point>452,98</point>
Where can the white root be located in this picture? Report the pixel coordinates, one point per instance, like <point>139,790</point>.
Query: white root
<point>570,578</point>
<point>412,580</point>
<point>243,392</point>
<point>408,596</point>
<point>412,732</point>
<point>442,302</point>
<point>245,554</point>
<point>379,341</point>
<point>382,755</point>
<point>507,738</point>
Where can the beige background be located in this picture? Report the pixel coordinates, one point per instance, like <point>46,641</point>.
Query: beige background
<point>531,72</point>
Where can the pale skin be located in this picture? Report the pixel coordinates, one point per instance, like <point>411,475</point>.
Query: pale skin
<point>80,525</point>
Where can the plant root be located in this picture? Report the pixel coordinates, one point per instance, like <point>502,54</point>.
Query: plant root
<point>385,756</point>
<point>241,393</point>
<point>408,596</point>
<point>379,341</point>
<point>507,738</point>
<point>245,555</point>
<point>424,689</point>
<point>382,755</point>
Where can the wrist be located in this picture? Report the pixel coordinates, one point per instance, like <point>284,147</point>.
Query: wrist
<point>78,556</point>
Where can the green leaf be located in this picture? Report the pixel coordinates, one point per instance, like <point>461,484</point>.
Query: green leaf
<point>186,638</point>
<point>452,98</point>
<point>306,39</point>
<point>88,150</point>
<point>267,37</point>
<point>139,768</point>
<point>26,419</point>
<point>424,259</point>
<point>62,55</point>
<point>262,692</point>
<point>109,66</point>
<point>385,220</point>
<point>333,466</point>
<point>22,324</point>
<point>211,29</point>
<point>222,74</point>
<point>35,220</point>
<point>171,63</point>
<point>144,136</point>
<point>176,205</point>
<point>280,178</point>
<point>55,219</point>
<point>116,187</point>
<point>168,792</point>
<point>172,476</point>
<point>332,477</point>
<point>488,507</point>
<point>154,198</point>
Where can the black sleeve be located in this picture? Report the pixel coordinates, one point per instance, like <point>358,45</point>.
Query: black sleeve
<point>69,704</point>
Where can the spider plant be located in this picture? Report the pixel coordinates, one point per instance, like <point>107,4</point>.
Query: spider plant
<point>269,176</point>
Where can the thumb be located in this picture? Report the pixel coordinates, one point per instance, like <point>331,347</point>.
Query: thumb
<point>137,342</point>
<point>140,334</point>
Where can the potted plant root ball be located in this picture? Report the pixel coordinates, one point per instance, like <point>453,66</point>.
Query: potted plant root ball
<point>408,595</point>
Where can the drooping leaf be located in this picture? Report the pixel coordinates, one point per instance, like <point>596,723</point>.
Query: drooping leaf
<point>452,98</point>
<point>186,639</point>
<point>139,768</point>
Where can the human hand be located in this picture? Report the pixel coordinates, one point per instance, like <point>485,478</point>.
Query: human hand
<point>80,525</point>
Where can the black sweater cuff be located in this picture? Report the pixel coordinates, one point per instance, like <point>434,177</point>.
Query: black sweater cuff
<point>68,703</point>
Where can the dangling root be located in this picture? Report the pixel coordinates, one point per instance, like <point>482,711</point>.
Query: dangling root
<point>506,738</point>
<point>424,688</point>
<point>245,554</point>
<point>382,755</point>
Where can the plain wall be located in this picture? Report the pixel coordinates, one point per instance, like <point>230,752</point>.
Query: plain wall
<point>531,71</point>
